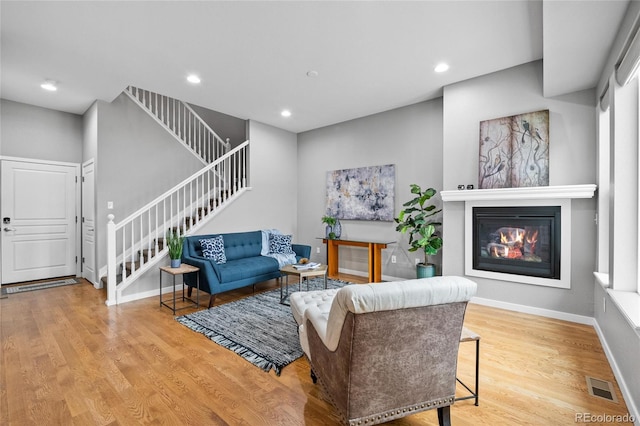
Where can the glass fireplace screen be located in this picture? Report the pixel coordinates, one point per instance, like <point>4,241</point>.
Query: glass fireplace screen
<point>517,240</point>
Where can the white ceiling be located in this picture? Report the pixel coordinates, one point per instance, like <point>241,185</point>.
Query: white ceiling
<point>253,56</point>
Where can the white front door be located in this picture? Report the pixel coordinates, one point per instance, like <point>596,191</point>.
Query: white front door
<point>38,220</point>
<point>88,224</point>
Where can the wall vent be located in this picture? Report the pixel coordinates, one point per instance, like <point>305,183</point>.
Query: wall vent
<point>601,389</point>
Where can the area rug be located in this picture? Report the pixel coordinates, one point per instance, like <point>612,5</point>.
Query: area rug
<point>12,289</point>
<point>258,328</point>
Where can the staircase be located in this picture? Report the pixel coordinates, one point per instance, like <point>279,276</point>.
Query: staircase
<point>136,243</point>
<point>182,122</point>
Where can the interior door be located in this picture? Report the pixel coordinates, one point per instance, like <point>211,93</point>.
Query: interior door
<point>88,224</point>
<point>38,220</point>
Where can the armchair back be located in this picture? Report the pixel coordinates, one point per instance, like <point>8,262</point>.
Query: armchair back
<point>386,350</point>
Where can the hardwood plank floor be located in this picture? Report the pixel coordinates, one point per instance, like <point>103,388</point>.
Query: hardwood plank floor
<point>67,359</point>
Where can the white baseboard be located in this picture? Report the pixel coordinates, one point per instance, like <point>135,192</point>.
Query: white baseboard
<point>580,319</point>
<point>366,275</point>
<point>622,384</point>
<point>149,293</point>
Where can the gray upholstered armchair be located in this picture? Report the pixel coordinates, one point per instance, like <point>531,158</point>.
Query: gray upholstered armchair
<point>386,350</point>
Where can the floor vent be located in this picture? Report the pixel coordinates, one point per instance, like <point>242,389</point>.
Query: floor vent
<point>601,389</point>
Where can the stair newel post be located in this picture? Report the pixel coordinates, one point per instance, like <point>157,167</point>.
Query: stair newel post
<point>111,261</point>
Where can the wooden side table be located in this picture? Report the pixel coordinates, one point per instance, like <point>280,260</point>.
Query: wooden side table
<point>183,269</point>
<point>470,336</point>
<point>320,271</point>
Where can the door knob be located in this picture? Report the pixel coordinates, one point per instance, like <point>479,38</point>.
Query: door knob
<point>7,229</point>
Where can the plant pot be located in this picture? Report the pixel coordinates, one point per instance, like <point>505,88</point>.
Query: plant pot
<point>175,263</point>
<point>425,270</point>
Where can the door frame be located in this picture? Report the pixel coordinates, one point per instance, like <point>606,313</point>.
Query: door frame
<point>95,281</point>
<point>78,209</point>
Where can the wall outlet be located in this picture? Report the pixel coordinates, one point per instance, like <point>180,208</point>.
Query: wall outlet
<point>317,249</point>
<point>109,205</point>
<point>418,260</point>
<point>393,259</point>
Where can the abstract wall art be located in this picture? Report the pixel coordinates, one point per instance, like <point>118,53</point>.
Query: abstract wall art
<point>514,151</point>
<point>365,193</point>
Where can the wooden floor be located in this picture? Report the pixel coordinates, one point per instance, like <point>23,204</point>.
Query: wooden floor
<point>67,359</point>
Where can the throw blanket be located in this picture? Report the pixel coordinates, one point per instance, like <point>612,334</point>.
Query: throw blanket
<point>283,259</point>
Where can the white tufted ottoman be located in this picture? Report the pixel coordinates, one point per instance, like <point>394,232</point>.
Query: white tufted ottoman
<point>301,300</point>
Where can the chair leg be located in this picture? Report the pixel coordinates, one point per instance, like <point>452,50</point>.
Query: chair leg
<point>314,379</point>
<point>189,291</point>
<point>444,416</point>
<point>212,300</point>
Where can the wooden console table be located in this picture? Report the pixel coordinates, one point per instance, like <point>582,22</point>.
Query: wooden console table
<point>375,256</point>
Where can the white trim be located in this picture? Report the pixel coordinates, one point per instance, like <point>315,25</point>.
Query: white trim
<point>547,313</point>
<point>531,193</point>
<point>146,294</point>
<point>38,161</point>
<point>565,249</point>
<point>629,304</point>
<point>622,384</point>
<point>602,279</point>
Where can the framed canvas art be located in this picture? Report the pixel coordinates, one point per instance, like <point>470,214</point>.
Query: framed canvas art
<point>514,151</point>
<point>365,193</point>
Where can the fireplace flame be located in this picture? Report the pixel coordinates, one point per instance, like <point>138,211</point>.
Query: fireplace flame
<point>515,243</point>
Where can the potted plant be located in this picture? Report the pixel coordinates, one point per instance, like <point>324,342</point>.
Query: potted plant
<point>333,228</point>
<point>174,243</point>
<point>415,219</point>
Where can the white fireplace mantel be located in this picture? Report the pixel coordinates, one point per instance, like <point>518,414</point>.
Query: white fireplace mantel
<point>514,197</point>
<point>530,193</point>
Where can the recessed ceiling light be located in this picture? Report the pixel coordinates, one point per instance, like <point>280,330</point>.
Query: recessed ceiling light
<point>49,85</point>
<point>441,67</point>
<point>285,113</point>
<point>312,73</point>
<point>193,79</point>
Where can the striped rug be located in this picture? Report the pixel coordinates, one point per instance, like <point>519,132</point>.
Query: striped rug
<point>12,289</point>
<point>258,328</point>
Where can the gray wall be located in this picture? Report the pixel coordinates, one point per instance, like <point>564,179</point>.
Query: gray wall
<point>572,122</point>
<point>33,132</point>
<point>90,133</point>
<point>137,160</point>
<point>272,200</point>
<point>225,126</point>
<point>409,137</point>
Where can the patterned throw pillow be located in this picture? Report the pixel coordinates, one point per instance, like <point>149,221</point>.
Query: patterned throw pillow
<point>280,244</point>
<point>213,248</point>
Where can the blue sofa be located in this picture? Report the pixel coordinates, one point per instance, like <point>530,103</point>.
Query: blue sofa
<point>244,265</point>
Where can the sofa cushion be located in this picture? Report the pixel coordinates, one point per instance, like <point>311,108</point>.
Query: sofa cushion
<point>239,269</point>
<point>213,248</point>
<point>265,239</point>
<point>280,244</point>
<point>240,245</point>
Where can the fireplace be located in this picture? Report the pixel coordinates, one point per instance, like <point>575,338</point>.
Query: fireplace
<point>523,240</point>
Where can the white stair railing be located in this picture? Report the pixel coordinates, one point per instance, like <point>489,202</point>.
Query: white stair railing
<point>134,244</point>
<point>179,119</point>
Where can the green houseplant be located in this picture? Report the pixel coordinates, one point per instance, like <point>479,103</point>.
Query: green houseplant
<point>333,229</point>
<point>174,243</point>
<point>416,220</point>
